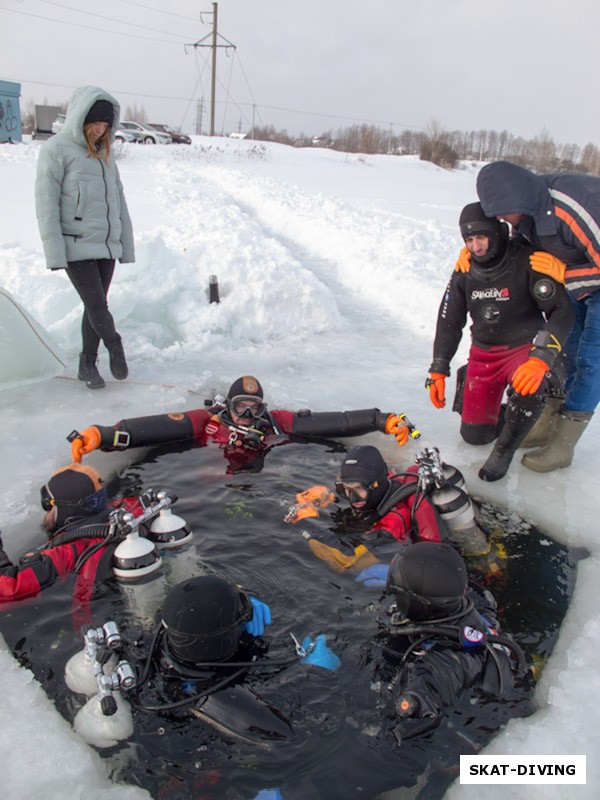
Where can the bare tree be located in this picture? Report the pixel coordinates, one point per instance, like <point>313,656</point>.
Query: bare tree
<point>135,113</point>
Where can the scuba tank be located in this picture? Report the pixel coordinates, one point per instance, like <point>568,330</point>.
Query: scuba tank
<point>98,672</point>
<point>448,492</point>
<point>172,535</point>
<point>137,563</point>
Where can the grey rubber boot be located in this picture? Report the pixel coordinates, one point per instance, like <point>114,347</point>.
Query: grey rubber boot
<point>558,453</point>
<point>542,431</point>
<point>88,372</point>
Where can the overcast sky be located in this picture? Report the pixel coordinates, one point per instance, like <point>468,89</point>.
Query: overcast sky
<point>315,65</point>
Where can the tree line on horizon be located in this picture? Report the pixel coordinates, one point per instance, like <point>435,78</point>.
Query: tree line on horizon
<point>436,144</point>
<point>446,148</point>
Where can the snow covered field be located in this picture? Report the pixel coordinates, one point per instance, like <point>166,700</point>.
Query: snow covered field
<point>330,268</point>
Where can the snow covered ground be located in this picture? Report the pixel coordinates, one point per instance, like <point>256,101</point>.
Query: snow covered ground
<point>330,268</point>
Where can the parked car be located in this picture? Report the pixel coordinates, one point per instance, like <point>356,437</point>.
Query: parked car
<point>176,137</point>
<point>123,135</point>
<point>58,123</point>
<point>147,134</point>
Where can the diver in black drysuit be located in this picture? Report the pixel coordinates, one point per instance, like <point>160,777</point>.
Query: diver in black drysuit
<point>442,648</point>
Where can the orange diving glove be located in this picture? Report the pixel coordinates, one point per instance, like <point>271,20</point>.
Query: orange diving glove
<point>436,383</point>
<point>308,502</point>
<point>464,261</point>
<point>528,376</point>
<point>548,265</point>
<point>87,442</point>
<point>397,426</point>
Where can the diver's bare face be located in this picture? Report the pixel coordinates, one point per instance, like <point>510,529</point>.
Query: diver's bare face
<point>353,490</point>
<point>49,521</point>
<point>478,245</point>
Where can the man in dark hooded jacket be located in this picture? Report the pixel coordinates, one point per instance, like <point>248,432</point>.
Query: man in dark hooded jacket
<point>560,214</point>
<point>521,321</point>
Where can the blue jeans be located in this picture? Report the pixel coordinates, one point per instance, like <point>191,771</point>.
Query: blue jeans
<point>583,356</point>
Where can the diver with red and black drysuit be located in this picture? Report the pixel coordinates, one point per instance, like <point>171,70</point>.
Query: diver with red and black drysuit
<point>241,425</point>
<point>76,521</point>
<point>389,510</point>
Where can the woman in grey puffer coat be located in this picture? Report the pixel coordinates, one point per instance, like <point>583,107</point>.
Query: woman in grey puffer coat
<point>83,219</point>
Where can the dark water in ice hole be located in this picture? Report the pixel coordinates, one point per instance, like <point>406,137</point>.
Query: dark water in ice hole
<point>341,746</point>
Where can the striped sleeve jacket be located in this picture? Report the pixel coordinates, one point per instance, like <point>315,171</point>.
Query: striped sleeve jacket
<point>562,216</point>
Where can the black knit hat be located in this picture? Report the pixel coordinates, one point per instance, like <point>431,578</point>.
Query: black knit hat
<point>75,491</point>
<point>101,111</point>
<point>473,222</point>
<point>428,579</point>
<point>248,386</point>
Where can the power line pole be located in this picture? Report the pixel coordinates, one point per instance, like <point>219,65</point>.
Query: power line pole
<point>214,71</point>
<point>199,115</point>
<point>213,46</point>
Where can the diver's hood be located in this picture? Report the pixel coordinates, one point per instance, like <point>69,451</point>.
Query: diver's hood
<point>203,619</point>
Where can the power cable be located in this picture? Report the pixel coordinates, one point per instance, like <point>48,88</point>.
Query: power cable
<point>191,100</point>
<point>227,94</point>
<point>159,10</point>
<point>90,27</point>
<point>111,19</point>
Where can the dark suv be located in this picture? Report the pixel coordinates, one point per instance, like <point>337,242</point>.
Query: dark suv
<point>178,138</point>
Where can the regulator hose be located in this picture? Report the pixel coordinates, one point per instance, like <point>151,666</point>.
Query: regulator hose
<point>244,665</point>
<point>453,633</point>
<point>100,530</point>
<point>397,496</point>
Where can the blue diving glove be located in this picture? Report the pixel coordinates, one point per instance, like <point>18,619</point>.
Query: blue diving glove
<point>269,794</point>
<point>375,576</point>
<point>320,655</point>
<point>260,618</point>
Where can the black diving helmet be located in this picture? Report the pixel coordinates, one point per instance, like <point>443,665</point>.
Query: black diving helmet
<point>428,581</point>
<point>203,619</point>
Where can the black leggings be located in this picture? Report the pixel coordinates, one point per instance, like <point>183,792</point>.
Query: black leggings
<point>92,279</point>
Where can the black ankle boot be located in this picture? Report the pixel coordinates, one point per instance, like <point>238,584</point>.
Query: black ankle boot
<point>497,464</point>
<point>88,372</point>
<point>116,356</point>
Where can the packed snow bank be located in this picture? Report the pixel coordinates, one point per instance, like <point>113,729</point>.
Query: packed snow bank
<point>26,352</point>
<point>50,760</point>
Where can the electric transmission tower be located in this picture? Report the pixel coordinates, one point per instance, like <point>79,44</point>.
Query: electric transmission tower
<point>214,47</point>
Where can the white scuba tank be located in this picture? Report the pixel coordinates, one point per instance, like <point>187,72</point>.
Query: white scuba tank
<point>99,730</point>
<point>456,510</point>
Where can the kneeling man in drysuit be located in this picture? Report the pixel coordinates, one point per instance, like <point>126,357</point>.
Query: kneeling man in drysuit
<point>240,425</point>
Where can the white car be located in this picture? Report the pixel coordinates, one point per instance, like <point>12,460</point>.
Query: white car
<point>122,135</point>
<point>58,123</point>
<point>147,135</point>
